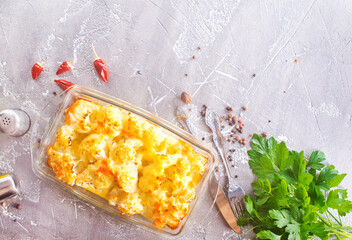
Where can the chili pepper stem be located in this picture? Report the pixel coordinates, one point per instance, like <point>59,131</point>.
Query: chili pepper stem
<point>96,56</point>
<point>70,63</point>
<point>41,63</point>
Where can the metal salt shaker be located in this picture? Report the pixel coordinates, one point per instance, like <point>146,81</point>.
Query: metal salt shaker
<point>14,122</point>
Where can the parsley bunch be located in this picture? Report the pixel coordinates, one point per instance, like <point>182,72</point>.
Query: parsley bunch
<point>294,197</point>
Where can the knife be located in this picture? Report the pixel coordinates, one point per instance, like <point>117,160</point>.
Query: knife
<point>216,190</point>
<point>224,205</point>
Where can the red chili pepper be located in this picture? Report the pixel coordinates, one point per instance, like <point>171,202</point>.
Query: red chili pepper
<point>37,69</point>
<point>64,67</point>
<point>64,84</point>
<point>100,67</point>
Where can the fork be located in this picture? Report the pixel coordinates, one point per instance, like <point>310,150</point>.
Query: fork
<point>235,193</point>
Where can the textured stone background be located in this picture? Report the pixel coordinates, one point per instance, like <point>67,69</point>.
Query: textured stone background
<point>148,46</point>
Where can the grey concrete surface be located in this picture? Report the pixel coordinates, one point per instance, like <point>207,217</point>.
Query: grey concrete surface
<point>148,46</point>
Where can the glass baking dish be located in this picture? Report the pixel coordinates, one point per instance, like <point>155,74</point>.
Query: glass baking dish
<point>52,118</point>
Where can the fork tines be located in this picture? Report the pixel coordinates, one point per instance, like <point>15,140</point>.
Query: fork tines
<point>239,206</point>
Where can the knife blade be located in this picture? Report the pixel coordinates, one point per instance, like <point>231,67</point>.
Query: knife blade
<point>224,205</point>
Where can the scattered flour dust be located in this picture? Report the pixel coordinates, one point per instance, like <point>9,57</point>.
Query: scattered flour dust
<point>10,215</point>
<point>240,155</point>
<point>196,231</point>
<point>348,119</point>
<point>45,93</point>
<point>31,191</point>
<point>227,235</point>
<point>7,163</point>
<point>282,138</point>
<point>95,27</point>
<point>34,223</point>
<point>201,22</point>
<point>6,84</point>
<point>330,109</point>
<point>193,118</point>
<point>73,7</point>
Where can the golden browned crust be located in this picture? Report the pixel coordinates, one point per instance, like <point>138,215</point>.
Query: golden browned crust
<point>128,161</point>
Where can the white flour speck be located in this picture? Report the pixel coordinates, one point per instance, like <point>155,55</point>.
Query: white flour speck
<point>6,83</point>
<point>31,191</point>
<point>10,215</point>
<point>7,163</point>
<point>282,138</point>
<point>330,109</point>
<point>45,93</point>
<point>196,232</point>
<point>33,223</point>
<point>232,235</point>
<point>348,119</point>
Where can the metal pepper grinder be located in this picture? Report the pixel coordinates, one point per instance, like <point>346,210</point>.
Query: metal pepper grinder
<point>14,122</point>
<point>8,187</point>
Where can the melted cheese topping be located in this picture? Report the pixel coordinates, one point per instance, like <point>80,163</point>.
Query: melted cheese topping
<point>128,161</point>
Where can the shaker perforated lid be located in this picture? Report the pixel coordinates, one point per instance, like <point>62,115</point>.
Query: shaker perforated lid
<point>14,122</point>
<point>8,187</point>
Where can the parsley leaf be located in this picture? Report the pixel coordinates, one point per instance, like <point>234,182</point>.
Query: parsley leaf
<point>279,155</point>
<point>301,195</point>
<point>315,160</point>
<point>266,234</point>
<point>335,181</point>
<point>263,167</point>
<point>294,231</point>
<point>281,218</point>
<point>328,173</point>
<point>262,189</point>
<point>292,195</point>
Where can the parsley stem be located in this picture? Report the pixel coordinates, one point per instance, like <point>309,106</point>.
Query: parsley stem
<point>342,233</point>
<point>328,218</point>
<point>324,220</point>
<point>250,230</point>
<point>340,218</point>
<point>334,218</point>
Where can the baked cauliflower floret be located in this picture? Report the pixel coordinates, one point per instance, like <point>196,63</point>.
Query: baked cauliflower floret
<point>154,140</point>
<point>125,151</point>
<point>108,121</point>
<point>127,203</point>
<point>96,175</point>
<point>65,136</point>
<point>178,210</point>
<point>81,114</point>
<point>133,127</point>
<point>198,163</point>
<point>93,148</point>
<point>124,162</point>
<point>169,211</point>
<point>62,164</point>
<point>166,161</point>
<point>152,177</point>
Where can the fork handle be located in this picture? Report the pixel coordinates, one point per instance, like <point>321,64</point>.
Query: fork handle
<point>220,146</point>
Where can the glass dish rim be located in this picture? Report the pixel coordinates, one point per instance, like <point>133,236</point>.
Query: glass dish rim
<point>108,99</point>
